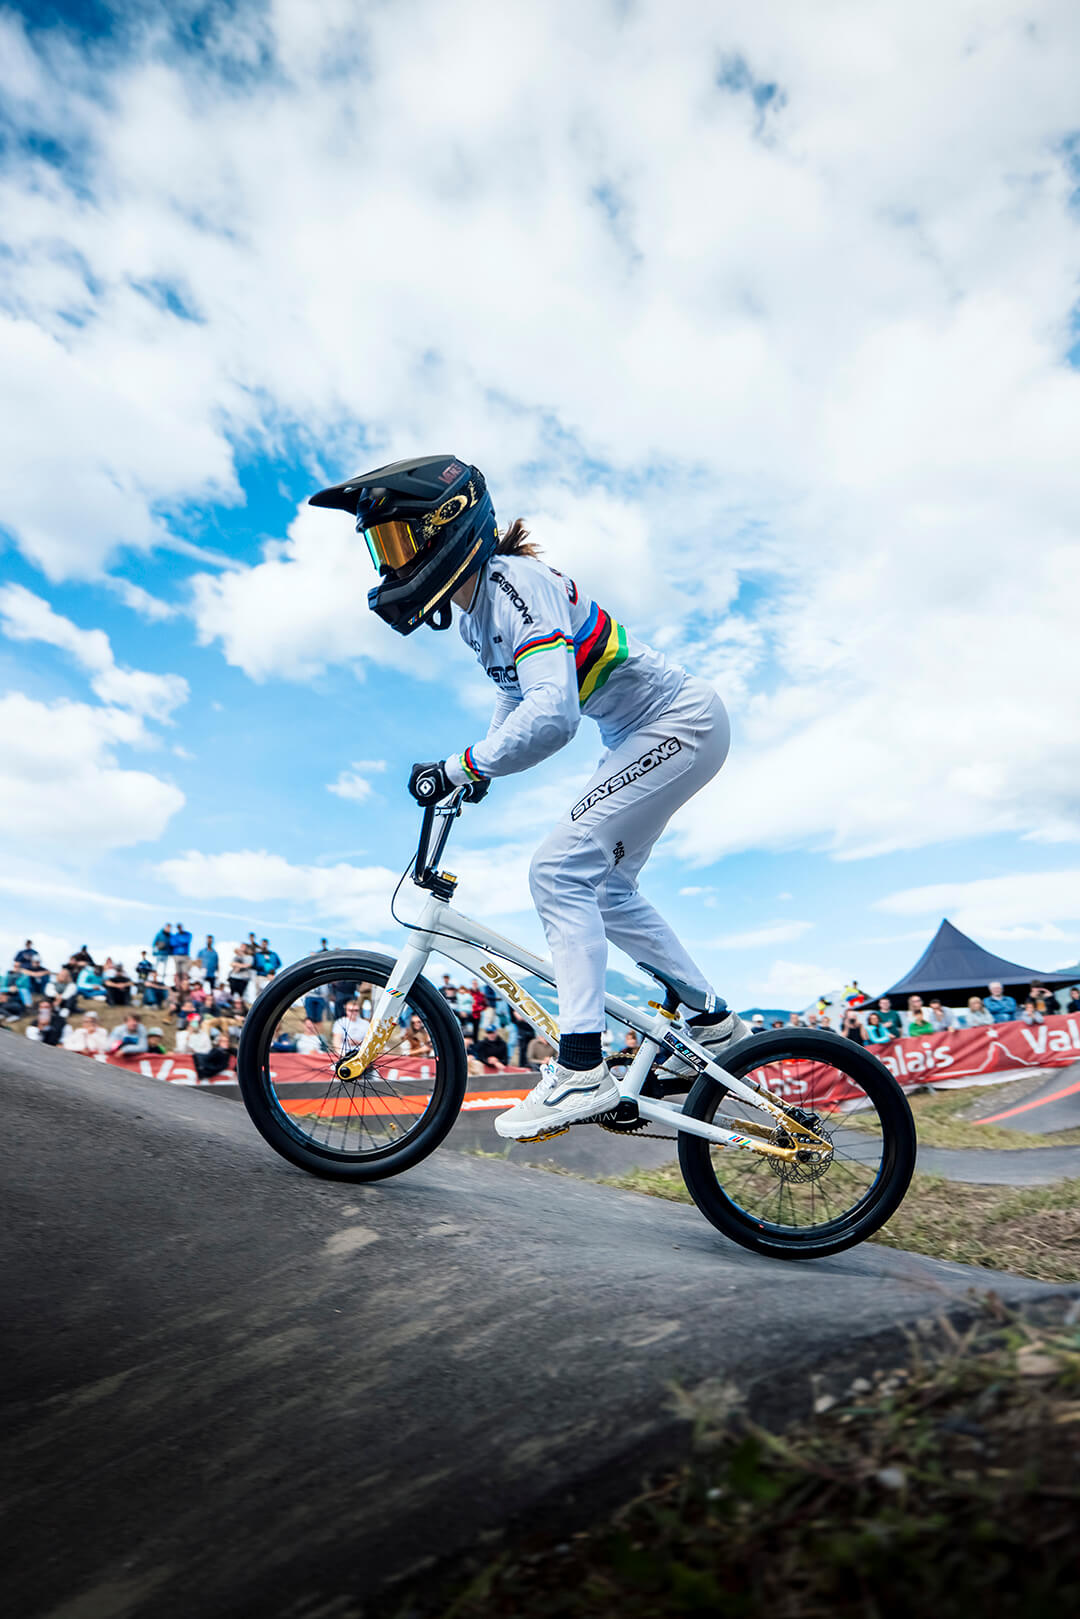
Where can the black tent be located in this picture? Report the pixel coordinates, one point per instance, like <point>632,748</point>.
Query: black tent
<point>954,967</point>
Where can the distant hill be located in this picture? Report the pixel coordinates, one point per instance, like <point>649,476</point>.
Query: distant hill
<point>638,991</point>
<point>635,990</point>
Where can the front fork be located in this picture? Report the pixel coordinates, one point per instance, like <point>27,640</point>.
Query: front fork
<point>384,1017</point>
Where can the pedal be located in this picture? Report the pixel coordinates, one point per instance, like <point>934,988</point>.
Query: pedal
<point>545,1135</point>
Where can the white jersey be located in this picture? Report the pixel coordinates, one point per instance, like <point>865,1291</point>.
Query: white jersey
<point>554,656</point>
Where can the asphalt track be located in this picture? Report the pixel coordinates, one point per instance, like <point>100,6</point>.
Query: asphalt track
<point>1053,1105</point>
<point>231,1388</point>
<point>588,1150</point>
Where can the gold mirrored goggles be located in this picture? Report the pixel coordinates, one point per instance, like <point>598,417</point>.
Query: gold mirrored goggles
<point>392,545</point>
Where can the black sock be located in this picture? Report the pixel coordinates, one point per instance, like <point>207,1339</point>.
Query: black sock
<point>580,1051</point>
<point>705,1019</point>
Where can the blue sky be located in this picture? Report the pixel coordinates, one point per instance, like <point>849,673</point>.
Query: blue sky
<point>768,331</point>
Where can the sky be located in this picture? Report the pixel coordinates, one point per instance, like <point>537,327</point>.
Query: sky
<point>766,319</point>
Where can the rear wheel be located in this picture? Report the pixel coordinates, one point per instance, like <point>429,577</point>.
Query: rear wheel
<point>794,1210</point>
<point>400,1107</point>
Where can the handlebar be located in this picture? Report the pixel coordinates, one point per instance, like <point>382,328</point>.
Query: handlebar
<point>448,811</point>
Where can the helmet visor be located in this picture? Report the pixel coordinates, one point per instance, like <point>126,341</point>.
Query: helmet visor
<point>392,545</point>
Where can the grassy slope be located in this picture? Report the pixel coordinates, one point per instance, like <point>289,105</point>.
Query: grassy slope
<point>944,1482</point>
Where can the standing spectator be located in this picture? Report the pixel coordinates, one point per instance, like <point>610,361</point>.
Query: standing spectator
<point>181,949</point>
<point>940,1016</point>
<point>795,1021</point>
<point>522,1034</point>
<point>143,968</point>
<point>851,1027</point>
<point>341,993</point>
<point>208,961</point>
<point>350,1029</point>
<point>240,970</point>
<point>478,1002</point>
<point>315,1007</point>
<point>757,1023</point>
<point>89,1039</point>
<point>919,1024</point>
<point>48,1026</point>
<point>977,1016</point>
<point>81,958</point>
<point>446,989</point>
<point>853,995</point>
<point>162,948</point>
<point>1045,999</point>
<point>876,1032</point>
<point>1074,1000</point>
<point>271,961</point>
<point>1002,1008</point>
<point>1029,1014</point>
<point>915,1010</point>
<point>889,1019</point>
<point>323,945</point>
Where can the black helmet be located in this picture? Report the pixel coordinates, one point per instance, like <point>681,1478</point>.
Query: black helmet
<point>428,524</point>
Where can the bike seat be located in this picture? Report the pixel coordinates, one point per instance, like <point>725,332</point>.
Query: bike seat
<point>682,994</point>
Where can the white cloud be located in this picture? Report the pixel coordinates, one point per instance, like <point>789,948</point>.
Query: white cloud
<point>139,600</point>
<point>1020,907</point>
<point>302,607</point>
<point>27,617</point>
<point>358,896</point>
<point>758,938</point>
<point>796,983</point>
<point>61,789</point>
<point>353,783</point>
<point>809,342</point>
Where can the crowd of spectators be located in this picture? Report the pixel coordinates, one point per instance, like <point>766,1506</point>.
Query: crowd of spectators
<point>203,1003</point>
<point>877,1025</point>
<point>193,1005</point>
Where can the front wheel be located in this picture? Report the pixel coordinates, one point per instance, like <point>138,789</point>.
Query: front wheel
<point>783,1208</point>
<point>398,1110</point>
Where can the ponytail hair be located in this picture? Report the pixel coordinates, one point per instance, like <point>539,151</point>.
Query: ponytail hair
<point>516,543</point>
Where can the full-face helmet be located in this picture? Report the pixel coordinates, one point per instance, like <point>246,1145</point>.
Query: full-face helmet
<point>429,524</point>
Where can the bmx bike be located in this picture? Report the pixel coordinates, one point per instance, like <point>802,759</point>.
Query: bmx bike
<point>798,1145</point>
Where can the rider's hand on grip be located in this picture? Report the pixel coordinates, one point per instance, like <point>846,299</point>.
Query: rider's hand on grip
<point>429,782</point>
<point>475,790</point>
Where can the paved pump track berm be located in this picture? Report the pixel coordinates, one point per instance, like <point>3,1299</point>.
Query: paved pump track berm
<point>762,1141</point>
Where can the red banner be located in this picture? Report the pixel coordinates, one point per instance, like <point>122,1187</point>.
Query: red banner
<point>287,1068</point>
<point>986,1055</point>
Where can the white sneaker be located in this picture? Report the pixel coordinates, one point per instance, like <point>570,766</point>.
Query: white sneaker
<point>714,1037</point>
<point>563,1096</point>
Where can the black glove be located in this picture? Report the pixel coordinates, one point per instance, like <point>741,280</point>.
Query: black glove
<point>428,783</point>
<point>475,790</point>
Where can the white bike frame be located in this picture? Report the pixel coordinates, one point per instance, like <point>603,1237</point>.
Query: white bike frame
<point>472,945</point>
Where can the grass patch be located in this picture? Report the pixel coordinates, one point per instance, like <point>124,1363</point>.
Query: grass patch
<point>945,1485</point>
<point>1033,1231</point>
<point>939,1123</point>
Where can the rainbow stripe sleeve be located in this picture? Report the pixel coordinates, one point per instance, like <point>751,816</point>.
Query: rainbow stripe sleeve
<point>555,642</point>
<point>468,765</point>
<point>599,648</point>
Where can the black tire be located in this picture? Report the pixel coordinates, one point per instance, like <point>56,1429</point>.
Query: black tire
<point>841,1229</point>
<point>284,1133</point>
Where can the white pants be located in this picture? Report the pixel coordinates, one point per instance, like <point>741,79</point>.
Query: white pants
<point>584,875</point>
